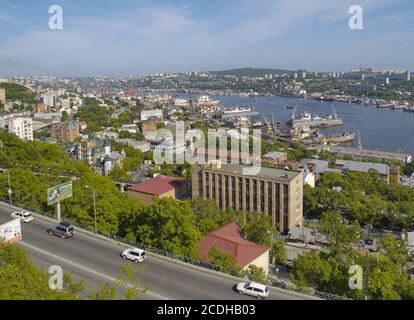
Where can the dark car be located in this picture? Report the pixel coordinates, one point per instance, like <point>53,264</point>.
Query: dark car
<point>63,230</point>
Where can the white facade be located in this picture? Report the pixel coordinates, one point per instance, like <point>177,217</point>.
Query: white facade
<point>48,99</point>
<point>146,114</point>
<point>21,127</point>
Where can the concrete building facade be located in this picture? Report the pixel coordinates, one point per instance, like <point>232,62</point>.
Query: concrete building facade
<point>273,191</point>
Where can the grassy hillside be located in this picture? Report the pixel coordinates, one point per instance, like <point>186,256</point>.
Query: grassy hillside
<point>17,92</point>
<point>252,72</point>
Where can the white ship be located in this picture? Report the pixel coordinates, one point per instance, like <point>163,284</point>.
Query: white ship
<point>238,112</point>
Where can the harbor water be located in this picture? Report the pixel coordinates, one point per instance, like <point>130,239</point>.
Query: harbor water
<point>380,128</point>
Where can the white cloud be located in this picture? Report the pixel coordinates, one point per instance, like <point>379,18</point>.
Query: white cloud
<point>149,38</point>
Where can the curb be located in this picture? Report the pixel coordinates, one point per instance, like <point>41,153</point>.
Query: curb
<point>178,262</point>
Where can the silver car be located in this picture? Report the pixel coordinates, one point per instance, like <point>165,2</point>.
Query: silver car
<point>253,289</point>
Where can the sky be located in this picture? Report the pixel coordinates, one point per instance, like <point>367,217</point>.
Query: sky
<point>129,37</point>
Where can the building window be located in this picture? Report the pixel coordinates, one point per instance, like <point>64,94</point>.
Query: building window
<point>269,197</point>
<point>240,193</point>
<point>261,196</point>
<point>200,183</point>
<point>254,195</point>
<point>213,185</point>
<point>207,185</point>
<point>277,202</point>
<point>285,206</point>
<point>233,193</point>
<point>248,194</point>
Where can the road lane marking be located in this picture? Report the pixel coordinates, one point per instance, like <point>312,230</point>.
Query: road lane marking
<point>99,274</point>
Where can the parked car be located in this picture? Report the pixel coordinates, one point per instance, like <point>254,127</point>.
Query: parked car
<point>136,255</point>
<point>253,289</point>
<point>63,230</point>
<point>23,215</point>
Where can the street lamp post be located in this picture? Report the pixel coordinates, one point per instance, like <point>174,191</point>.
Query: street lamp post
<point>367,268</point>
<point>9,191</point>
<point>94,206</point>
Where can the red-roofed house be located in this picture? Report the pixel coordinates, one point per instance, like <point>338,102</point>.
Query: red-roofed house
<point>160,186</point>
<point>230,240</point>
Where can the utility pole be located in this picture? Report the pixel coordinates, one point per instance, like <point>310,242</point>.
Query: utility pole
<point>94,206</point>
<point>9,191</point>
<point>367,269</point>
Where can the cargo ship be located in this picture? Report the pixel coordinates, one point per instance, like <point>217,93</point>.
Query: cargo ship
<point>307,120</point>
<point>238,112</point>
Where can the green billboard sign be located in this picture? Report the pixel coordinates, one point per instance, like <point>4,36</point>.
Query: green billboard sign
<point>60,192</point>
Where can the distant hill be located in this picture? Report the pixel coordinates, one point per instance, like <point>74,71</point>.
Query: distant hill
<point>16,91</point>
<point>251,72</point>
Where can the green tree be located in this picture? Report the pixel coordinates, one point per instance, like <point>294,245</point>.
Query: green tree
<point>170,225</point>
<point>256,274</point>
<point>20,279</point>
<point>278,252</point>
<point>259,229</point>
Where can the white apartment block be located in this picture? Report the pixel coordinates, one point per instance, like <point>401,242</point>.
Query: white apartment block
<point>21,127</point>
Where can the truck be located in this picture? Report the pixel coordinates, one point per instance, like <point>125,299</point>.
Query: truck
<point>10,232</point>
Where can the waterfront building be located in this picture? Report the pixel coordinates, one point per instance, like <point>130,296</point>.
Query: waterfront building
<point>275,192</point>
<point>365,154</point>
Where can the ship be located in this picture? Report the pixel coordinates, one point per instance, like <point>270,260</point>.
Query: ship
<point>238,112</point>
<point>307,120</point>
<point>341,138</point>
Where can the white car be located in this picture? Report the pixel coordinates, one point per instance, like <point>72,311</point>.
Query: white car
<point>254,289</point>
<point>23,215</point>
<point>136,255</point>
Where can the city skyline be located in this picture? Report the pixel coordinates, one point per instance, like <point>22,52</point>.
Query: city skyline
<point>142,37</point>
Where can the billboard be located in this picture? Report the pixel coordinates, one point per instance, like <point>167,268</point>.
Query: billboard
<point>60,192</point>
<point>10,232</point>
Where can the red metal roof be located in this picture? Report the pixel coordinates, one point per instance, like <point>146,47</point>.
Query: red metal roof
<point>158,185</point>
<point>229,239</point>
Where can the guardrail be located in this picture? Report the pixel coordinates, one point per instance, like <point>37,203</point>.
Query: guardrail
<point>202,264</point>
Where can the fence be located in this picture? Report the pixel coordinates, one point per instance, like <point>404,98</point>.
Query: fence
<point>202,264</point>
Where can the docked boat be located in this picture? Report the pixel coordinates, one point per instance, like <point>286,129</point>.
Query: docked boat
<point>306,120</point>
<point>341,138</point>
<point>238,112</point>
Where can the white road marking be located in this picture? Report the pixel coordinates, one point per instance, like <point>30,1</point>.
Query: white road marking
<point>99,274</point>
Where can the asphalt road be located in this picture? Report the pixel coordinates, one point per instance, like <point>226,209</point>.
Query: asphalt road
<point>97,262</point>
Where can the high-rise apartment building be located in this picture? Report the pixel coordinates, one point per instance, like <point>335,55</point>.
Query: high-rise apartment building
<point>275,192</point>
<point>65,131</point>
<point>21,127</point>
